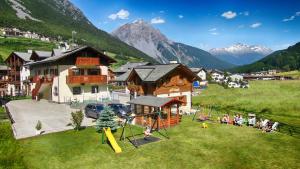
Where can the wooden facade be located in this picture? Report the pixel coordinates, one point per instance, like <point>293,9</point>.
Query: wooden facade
<point>177,81</point>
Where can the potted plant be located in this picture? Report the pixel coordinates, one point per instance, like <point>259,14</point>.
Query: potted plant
<point>38,128</point>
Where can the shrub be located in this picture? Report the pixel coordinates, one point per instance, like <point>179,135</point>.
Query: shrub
<point>77,118</point>
<point>106,119</point>
<point>38,125</point>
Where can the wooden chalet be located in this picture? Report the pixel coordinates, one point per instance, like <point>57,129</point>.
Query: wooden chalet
<point>16,62</point>
<point>168,81</point>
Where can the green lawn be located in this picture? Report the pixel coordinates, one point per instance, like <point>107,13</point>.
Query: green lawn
<point>8,45</point>
<point>189,146</point>
<point>294,74</point>
<point>277,100</point>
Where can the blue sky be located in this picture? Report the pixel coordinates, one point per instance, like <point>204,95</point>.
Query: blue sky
<point>205,23</point>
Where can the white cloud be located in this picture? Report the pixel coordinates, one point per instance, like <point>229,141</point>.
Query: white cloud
<point>161,11</point>
<point>212,29</point>
<point>180,16</point>
<point>157,20</point>
<point>229,15</point>
<point>291,17</point>
<point>256,25</point>
<point>214,33</point>
<point>122,14</point>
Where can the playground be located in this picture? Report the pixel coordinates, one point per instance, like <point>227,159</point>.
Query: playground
<point>189,146</point>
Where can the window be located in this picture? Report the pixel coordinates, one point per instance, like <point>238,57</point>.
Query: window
<point>93,71</point>
<point>76,90</point>
<point>55,93</point>
<point>77,72</point>
<point>95,89</point>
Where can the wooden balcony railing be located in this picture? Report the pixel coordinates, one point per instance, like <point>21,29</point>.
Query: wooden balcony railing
<point>95,79</point>
<point>87,61</point>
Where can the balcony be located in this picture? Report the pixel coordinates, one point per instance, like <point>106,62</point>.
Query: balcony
<point>89,79</point>
<point>87,61</point>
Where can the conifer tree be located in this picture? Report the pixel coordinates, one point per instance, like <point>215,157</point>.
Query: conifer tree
<point>106,119</point>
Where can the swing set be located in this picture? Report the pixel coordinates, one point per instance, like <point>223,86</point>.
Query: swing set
<point>155,127</point>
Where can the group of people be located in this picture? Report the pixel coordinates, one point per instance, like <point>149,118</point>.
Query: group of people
<point>265,125</point>
<point>237,120</point>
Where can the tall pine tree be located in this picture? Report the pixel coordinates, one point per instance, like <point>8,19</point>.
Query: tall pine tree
<point>106,119</point>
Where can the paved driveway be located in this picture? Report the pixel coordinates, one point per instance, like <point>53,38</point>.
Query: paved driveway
<point>54,117</point>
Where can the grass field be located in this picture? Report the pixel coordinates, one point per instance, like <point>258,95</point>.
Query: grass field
<point>8,45</point>
<point>189,146</point>
<point>294,74</point>
<point>276,100</point>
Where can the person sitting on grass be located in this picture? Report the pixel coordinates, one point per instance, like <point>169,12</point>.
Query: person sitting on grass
<point>267,127</point>
<point>225,119</point>
<point>240,120</point>
<point>235,119</point>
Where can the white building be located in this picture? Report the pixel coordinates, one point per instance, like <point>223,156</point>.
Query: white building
<point>78,74</point>
<point>236,77</point>
<point>217,75</point>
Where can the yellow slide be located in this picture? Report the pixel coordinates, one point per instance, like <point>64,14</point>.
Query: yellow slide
<point>112,140</point>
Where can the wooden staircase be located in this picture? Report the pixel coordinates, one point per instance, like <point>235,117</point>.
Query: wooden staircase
<point>38,83</point>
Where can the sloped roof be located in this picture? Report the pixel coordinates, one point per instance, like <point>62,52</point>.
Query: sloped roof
<point>149,73</point>
<point>43,54</point>
<point>152,101</point>
<point>197,70</point>
<point>56,52</point>
<point>67,53</point>
<point>130,65</point>
<point>23,55</point>
<point>124,76</point>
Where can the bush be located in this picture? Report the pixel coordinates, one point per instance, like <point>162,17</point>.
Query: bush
<point>38,125</point>
<point>77,118</point>
<point>106,119</point>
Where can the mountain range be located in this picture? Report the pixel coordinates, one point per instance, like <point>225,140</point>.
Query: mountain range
<point>151,41</point>
<point>287,59</point>
<point>55,18</point>
<point>241,54</point>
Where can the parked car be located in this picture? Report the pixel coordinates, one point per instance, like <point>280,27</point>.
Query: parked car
<point>119,109</point>
<point>93,110</point>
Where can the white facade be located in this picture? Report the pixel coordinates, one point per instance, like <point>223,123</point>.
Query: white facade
<point>61,92</point>
<point>24,75</point>
<point>202,75</point>
<point>236,77</point>
<point>217,76</point>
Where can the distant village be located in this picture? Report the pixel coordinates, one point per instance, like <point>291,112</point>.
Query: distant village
<point>15,32</point>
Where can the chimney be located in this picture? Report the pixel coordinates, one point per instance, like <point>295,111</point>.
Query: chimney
<point>29,51</point>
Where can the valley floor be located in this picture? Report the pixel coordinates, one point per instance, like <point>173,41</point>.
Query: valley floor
<point>189,146</point>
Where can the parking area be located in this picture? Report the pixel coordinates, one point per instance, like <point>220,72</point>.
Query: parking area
<point>54,117</point>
